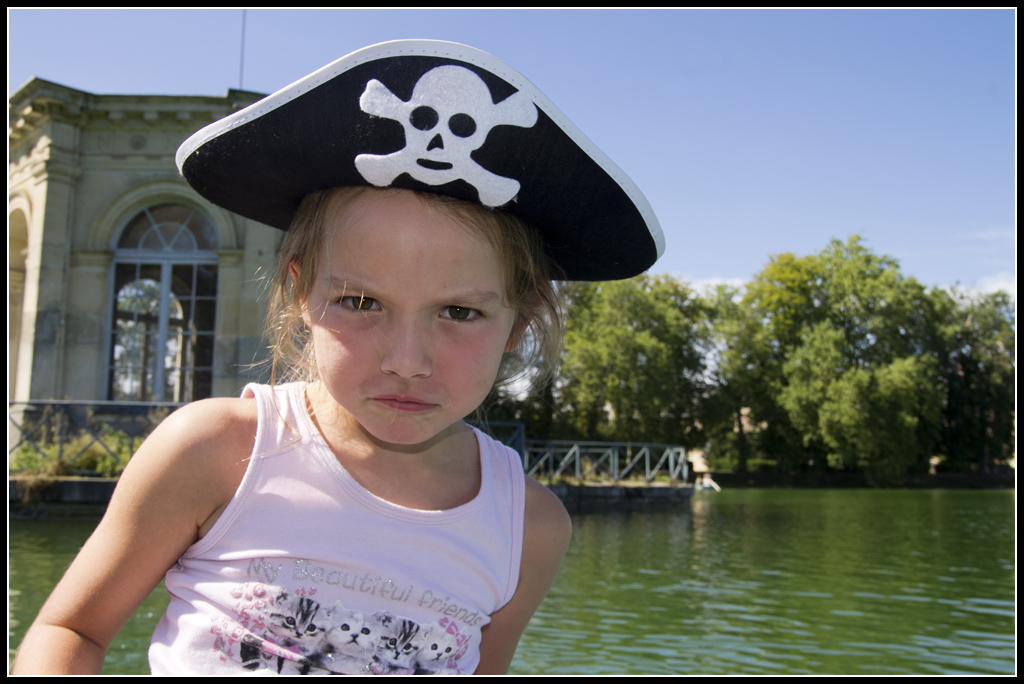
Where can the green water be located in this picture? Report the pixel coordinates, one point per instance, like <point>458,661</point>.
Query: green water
<point>742,582</point>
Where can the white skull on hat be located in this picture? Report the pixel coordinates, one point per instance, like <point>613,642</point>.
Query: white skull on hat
<point>448,116</point>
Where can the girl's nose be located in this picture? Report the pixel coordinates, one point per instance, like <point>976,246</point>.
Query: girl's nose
<point>406,352</point>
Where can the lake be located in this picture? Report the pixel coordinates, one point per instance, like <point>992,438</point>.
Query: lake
<point>746,581</point>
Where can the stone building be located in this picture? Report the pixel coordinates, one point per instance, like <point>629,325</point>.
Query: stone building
<point>124,284</point>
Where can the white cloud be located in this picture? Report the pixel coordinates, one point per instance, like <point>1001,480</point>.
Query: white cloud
<point>995,234</point>
<point>708,285</point>
<point>1004,281</point>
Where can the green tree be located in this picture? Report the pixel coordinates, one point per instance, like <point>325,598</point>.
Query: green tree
<point>977,369</point>
<point>863,382</point>
<point>882,420</point>
<point>737,409</point>
<point>633,367</point>
<point>833,357</point>
<point>754,335</point>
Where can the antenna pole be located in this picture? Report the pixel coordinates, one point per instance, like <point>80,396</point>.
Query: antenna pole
<point>241,56</point>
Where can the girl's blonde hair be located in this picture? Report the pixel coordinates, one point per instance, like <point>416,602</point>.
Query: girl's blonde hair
<point>526,270</point>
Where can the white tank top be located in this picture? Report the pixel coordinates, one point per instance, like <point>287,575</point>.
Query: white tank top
<point>306,572</point>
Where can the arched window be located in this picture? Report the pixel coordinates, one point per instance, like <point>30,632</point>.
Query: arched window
<point>165,304</point>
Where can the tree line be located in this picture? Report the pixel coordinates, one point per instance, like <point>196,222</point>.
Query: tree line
<point>834,361</point>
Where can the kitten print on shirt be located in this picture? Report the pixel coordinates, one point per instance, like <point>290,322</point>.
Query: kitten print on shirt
<point>289,631</point>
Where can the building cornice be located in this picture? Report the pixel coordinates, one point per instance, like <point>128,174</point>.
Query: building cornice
<point>40,100</point>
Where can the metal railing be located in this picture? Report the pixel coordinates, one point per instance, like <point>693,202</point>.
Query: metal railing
<point>604,461</point>
<point>66,430</point>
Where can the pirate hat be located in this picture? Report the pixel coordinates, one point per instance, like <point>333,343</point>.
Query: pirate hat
<point>437,117</point>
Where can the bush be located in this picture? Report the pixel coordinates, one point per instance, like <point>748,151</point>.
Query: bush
<point>80,453</point>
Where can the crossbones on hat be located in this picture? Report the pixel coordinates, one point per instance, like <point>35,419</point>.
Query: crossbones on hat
<point>437,117</point>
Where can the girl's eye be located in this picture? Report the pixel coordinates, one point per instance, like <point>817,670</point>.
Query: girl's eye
<point>360,303</point>
<point>459,313</point>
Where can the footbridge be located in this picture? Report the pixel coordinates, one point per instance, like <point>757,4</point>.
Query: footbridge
<point>593,462</point>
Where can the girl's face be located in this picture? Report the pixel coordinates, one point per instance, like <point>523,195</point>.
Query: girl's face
<point>407,317</point>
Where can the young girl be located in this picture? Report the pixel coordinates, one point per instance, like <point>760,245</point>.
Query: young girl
<point>350,521</point>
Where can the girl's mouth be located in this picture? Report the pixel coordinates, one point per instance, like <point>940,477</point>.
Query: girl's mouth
<point>404,403</point>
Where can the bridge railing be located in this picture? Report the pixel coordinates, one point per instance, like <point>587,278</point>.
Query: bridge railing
<point>604,461</point>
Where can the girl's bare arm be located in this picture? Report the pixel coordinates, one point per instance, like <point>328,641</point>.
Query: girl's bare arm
<point>177,483</point>
<point>546,534</point>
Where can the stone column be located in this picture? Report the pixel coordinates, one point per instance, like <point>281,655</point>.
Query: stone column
<point>86,324</point>
<point>46,263</point>
<point>225,356</point>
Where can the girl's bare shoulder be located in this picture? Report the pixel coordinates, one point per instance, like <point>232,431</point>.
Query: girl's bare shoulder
<point>197,457</point>
<point>210,426</point>
<point>546,522</point>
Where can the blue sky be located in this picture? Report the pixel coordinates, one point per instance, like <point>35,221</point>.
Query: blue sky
<point>750,132</point>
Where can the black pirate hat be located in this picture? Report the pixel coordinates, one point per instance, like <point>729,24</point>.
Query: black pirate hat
<point>437,117</point>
